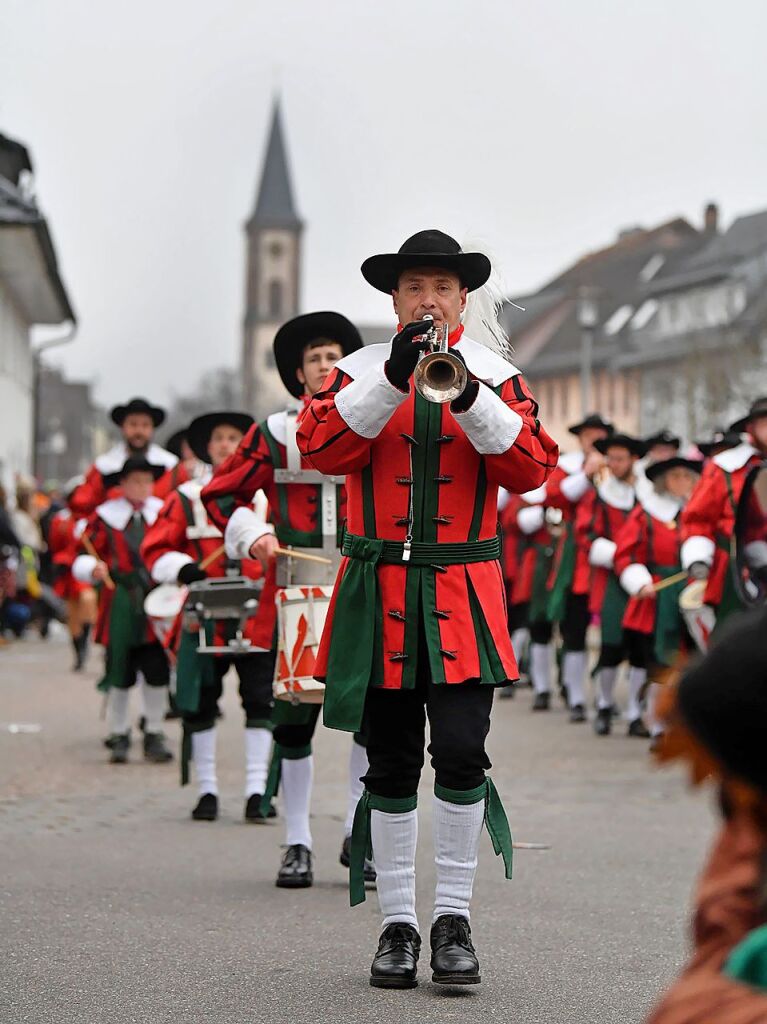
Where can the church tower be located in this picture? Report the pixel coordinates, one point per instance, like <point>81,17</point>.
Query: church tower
<point>273,234</point>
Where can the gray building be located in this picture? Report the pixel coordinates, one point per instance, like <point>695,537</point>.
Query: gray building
<point>68,426</point>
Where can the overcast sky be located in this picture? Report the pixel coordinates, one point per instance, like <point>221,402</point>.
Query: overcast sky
<point>540,127</point>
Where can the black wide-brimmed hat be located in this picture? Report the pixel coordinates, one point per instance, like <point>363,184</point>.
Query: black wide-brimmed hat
<point>656,469</point>
<point>174,442</point>
<point>593,420</point>
<point>293,337</point>
<point>137,405</point>
<point>138,464</point>
<point>430,248</point>
<point>199,431</point>
<point>632,444</point>
<point>662,437</point>
<point>723,699</point>
<point>757,411</point>
<point>719,439</point>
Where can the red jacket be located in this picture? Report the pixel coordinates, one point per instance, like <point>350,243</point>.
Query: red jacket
<point>62,544</point>
<point>599,518</point>
<point>566,488</point>
<point>413,467</point>
<point>102,480</point>
<point>649,539</point>
<point>522,539</point>
<point>708,520</point>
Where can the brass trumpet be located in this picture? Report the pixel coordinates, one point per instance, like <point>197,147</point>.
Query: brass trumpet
<point>439,376</point>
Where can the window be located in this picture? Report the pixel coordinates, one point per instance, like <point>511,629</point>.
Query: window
<point>618,320</point>
<point>275,300</point>
<point>651,268</point>
<point>644,314</point>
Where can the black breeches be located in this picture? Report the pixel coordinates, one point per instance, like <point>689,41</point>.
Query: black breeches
<point>575,623</point>
<point>256,675</point>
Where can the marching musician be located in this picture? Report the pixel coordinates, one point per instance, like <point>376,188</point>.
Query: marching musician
<point>417,625</point>
<point>647,553</point>
<point>659,446</point>
<point>600,516</point>
<point>137,419</point>
<point>568,602</point>
<point>80,597</point>
<point>181,547</point>
<point>305,515</point>
<point>111,542</point>
<point>708,520</point>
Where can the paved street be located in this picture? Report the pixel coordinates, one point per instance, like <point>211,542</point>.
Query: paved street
<point>115,907</point>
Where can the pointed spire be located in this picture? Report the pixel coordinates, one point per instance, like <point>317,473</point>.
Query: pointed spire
<point>274,203</point>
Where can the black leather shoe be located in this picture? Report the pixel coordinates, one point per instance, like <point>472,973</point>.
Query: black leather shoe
<point>453,960</point>
<point>253,813</point>
<point>577,713</point>
<point>155,749</point>
<point>119,744</point>
<point>345,860</point>
<point>296,868</point>
<point>638,728</point>
<point>207,808</point>
<point>396,960</point>
<point>603,722</point>
<point>542,702</point>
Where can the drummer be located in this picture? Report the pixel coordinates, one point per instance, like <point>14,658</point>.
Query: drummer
<point>306,349</point>
<point>182,547</point>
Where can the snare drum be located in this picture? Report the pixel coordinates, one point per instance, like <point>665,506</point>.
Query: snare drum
<point>226,599</point>
<point>162,606</point>
<point>699,618</point>
<point>301,614</point>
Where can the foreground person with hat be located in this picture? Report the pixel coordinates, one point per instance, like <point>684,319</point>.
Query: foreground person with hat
<point>417,626</point>
<point>718,726</point>
<point>181,539</point>
<point>647,552</point>
<point>111,541</point>
<point>137,420</point>
<point>708,520</point>
<point>568,602</point>
<point>599,519</point>
<point>307,514</point>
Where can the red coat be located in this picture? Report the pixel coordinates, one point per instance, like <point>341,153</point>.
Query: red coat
<point>105,530</point>
<point>569,469</point>
<point>708,521</point>
<point>294,508</point>
<point>102,478</point>
<point>521,545</point>
<point>598,521</point>
<point>171,542</point>
<point>411,467</point>
<point>648,540</point>
<point>62,544</point>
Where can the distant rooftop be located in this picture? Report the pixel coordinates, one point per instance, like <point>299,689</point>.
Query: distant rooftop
<point>274,206</point>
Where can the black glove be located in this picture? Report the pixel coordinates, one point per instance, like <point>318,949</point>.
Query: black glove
<point>466,398</point>
<point>699,571</point>
<point>405,353</point>
<point>191,573</point>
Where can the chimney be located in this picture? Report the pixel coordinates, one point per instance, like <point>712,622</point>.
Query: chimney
<point>711,219</point>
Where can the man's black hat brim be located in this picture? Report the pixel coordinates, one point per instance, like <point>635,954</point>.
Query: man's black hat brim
<point>656,469</point>
<point>757,411</point>
<point>200,430</point>
<point>594,422</point>
<point>431,248</point>
<point>137,405</point>
<point>140,465</point>
<point>174,442</point>
<point>293,337</point>
<point>631,444</point>
<point>664,437</point>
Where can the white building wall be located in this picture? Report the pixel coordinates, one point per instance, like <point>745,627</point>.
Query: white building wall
<point>16,383</point>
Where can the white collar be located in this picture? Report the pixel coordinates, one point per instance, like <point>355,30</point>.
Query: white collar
<point>114,460</point>
<point>277,425</point>
<point>191,488</point>
<point>616,493</point>
<point>571,462</point>
<point>117,512</point>
<point>486,365</point>
<point>735,458</point>
<point>661,506</point>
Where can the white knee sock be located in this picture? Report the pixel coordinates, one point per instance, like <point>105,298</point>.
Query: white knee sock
<point>204,761</point>
<point>637,679</point>
<point>573,675</point>
<point>654,722</point>
<point>358,766</point>
<point>606,686</point>
<point>296,799</point>
<point>155,706</point>
<point>394,838</point>
<point>540,667</point>
<point>457,829</point>
<point>258,749</point>
<point>118,718</point>
<point>519,639</point>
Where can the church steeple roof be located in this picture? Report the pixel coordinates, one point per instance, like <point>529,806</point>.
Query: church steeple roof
<point>274,202</point>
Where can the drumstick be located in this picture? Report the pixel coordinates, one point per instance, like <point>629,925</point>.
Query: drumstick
<point>670,580</point>
<point>109,583</point>
<point>287,553</point>
<point>212,556</point>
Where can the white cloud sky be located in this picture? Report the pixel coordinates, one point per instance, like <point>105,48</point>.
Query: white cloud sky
<point>541,128</point>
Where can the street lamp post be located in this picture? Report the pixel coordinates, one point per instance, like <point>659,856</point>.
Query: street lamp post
<point>588,317</point>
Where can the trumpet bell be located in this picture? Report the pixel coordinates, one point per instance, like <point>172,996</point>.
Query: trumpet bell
<point>440,377</point>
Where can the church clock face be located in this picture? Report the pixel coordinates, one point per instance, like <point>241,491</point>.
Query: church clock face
<point>275,250</point>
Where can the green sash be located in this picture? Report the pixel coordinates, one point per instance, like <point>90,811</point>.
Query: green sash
<point>539,597</point>
<point>563,581</point>
<point>668,618</point>
<point>748,961</point>
<point>351,653</point>
<point>193,670</point>
<point>613,610</point>
<point>127,627</point>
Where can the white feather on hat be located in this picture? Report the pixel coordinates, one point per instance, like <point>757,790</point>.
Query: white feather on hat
<point>480,318</point>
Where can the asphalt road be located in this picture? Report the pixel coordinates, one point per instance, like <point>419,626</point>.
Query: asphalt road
<point>115,907</point>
